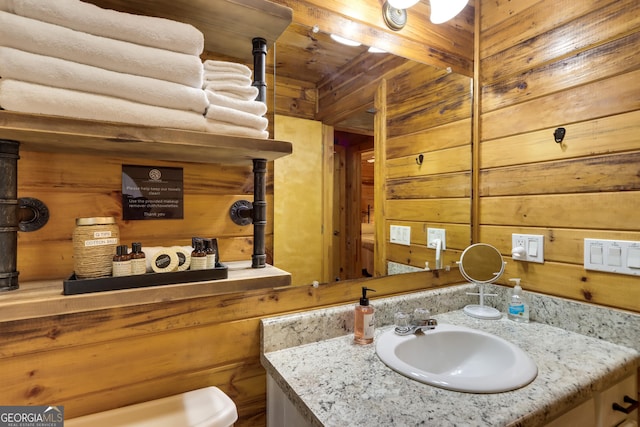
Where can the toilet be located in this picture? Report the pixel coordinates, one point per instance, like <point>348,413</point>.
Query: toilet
<point>205,407</point>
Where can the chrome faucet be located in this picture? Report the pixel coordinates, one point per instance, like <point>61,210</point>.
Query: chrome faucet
<point>422,322</point>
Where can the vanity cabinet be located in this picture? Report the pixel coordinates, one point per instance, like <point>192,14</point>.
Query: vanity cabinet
<point>230,30</point>
<point>595,412</point>
<point>281,412</point>
<point>606,416</point>
<point>598,411</point>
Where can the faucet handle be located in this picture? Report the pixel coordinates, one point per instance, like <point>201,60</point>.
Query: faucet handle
<point>401,320</point>
<point>421,316</point>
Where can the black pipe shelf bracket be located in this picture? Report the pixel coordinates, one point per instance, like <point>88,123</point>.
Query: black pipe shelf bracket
<point>244,212</point>
<point>25,214</point>
<point>241,212</point>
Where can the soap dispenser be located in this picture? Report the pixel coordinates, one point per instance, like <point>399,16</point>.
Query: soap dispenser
<point>518,307</point>
<point>364,325</point>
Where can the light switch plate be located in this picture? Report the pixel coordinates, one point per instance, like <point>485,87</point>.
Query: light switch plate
<point>434,234</point>
<point>533,245</point>
<point>612,256</point>
<point>400,234</point>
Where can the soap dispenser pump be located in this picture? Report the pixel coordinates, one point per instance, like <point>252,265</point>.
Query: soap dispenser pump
<point>518,307</point>
<point>364,324</point>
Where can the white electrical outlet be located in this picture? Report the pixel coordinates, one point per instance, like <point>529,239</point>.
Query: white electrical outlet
<point>434,234</point>
<point>527,247</point>
<point>400,234</point>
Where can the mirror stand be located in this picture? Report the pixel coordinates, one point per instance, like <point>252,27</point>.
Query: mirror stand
<point>481,311</point>
<point>480,264</point>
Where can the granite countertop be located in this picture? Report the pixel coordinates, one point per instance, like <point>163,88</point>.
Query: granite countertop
<point>334,382</point>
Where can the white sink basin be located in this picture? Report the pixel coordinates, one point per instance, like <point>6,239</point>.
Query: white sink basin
<point>458,358</point>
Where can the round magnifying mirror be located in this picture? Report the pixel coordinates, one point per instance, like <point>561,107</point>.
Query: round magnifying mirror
<point>481,263</point>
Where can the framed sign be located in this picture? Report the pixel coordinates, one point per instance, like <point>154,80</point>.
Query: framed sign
<point>152,192</point>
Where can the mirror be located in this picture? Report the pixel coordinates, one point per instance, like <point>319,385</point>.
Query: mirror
<point>428,116</point>
<point>480,264</point>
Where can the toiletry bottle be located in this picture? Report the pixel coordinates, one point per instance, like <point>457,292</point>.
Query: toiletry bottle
<point>211,253</point>
<point>122,261</point>
<point>364,325</point>
<point>518,307</point>
<point>214,246</point>
<point>138,259</point>
<point>198,256</point>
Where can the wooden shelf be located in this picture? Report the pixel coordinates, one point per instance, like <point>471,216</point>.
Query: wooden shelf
<point>57,134</point>
<point>45,298</point>
<point>228,26</point>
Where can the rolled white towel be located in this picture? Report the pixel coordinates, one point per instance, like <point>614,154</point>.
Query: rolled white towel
<point>253,107</point>
<point>45,70</point>
<point>245,93</point>
<point>88,18</point>
<point>33,98</point>
<point>226,66</point>
<point>240,118</point>
<point>232,78</point>
<point>223,128</point>
<point>43,38</point>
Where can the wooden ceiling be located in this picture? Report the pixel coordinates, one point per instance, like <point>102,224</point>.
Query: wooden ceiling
<point>305,51</point>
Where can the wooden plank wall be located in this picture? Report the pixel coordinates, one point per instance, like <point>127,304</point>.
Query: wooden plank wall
<point>93,361</point>
<point>428,114</point>
<point>74,186</point>
<point>546,64</point>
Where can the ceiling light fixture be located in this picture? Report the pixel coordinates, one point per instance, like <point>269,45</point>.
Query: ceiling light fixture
<point>441,10</point>
<point>444,10</point>
<point>395,18</point>
<point>402,4</point>
<point>344,41</point>
<point>374,49</point>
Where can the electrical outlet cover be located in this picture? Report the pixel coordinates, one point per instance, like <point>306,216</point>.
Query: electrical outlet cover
<point>400,234</point>
<point>533,245</point>
<point>434,234</point>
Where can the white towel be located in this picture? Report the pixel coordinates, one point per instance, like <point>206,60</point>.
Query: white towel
<point>224,128</point>
<point>52,40</point>
<point>49,71</point>
<point>252,107</point>
<point>32,98</point>
<point>235,117</point>
<point>91,19</point>
<point>226,66</point>
<point>226,77</point>
<point>245,93</point>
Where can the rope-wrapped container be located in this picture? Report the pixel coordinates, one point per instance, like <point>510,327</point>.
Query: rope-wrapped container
<point>94,244</point>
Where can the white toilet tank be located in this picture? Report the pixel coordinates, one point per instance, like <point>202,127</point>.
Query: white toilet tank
<point>205,407</point>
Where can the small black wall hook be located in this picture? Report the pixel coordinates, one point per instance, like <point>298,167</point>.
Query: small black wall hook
<point>420,159</point>
<point>559,134</point>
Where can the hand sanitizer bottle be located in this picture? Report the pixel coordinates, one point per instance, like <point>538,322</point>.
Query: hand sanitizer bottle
<point>518,307</point>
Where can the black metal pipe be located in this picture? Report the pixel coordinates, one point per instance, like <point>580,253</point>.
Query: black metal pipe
<point>259,67</point>
<point>259,257</point>
<point>9,219</point>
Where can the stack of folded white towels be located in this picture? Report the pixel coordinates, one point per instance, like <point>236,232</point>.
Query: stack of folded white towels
<point>74,59</point>
<point>232,105</point>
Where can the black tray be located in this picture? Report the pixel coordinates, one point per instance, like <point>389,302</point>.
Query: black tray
<point>74,286</point>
